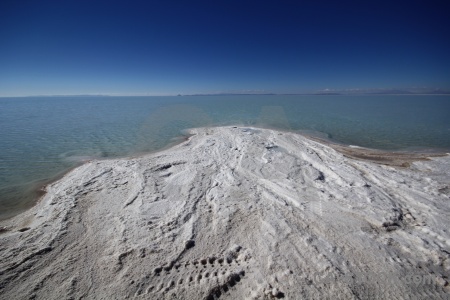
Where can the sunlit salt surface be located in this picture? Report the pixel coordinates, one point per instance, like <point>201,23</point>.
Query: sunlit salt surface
<point>43,137</point>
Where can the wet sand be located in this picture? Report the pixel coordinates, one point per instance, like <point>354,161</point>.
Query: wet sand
<point>389,158</point>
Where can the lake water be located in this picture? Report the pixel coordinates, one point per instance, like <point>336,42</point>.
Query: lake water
<point>42,137</point>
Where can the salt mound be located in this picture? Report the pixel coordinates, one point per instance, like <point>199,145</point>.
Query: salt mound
<point>234,213</point>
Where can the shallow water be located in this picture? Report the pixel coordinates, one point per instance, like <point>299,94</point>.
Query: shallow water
<point>45,136</point>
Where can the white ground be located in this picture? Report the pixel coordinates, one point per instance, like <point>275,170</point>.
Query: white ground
<point>235,213</point>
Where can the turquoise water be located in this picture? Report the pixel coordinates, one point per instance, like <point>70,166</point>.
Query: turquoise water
<point>43,137</point>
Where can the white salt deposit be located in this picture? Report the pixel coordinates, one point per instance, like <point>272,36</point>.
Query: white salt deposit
<point>235,213</point>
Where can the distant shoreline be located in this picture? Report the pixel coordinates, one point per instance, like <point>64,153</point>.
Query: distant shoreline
<point>337,93</point>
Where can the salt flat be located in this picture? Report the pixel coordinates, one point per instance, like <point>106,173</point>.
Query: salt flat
<point>235,213</point>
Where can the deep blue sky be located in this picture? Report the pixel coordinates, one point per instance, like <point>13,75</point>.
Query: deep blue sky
<point>171,47</point>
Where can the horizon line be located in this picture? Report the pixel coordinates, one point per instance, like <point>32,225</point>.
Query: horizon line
<point>373,91</point>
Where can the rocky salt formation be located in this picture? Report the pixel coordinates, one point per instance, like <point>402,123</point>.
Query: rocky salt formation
<point>235,213</point>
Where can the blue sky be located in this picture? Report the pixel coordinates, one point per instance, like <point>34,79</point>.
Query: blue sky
<point>185,47</point>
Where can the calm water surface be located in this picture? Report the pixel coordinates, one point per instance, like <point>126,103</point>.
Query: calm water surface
<point>43,137</point>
